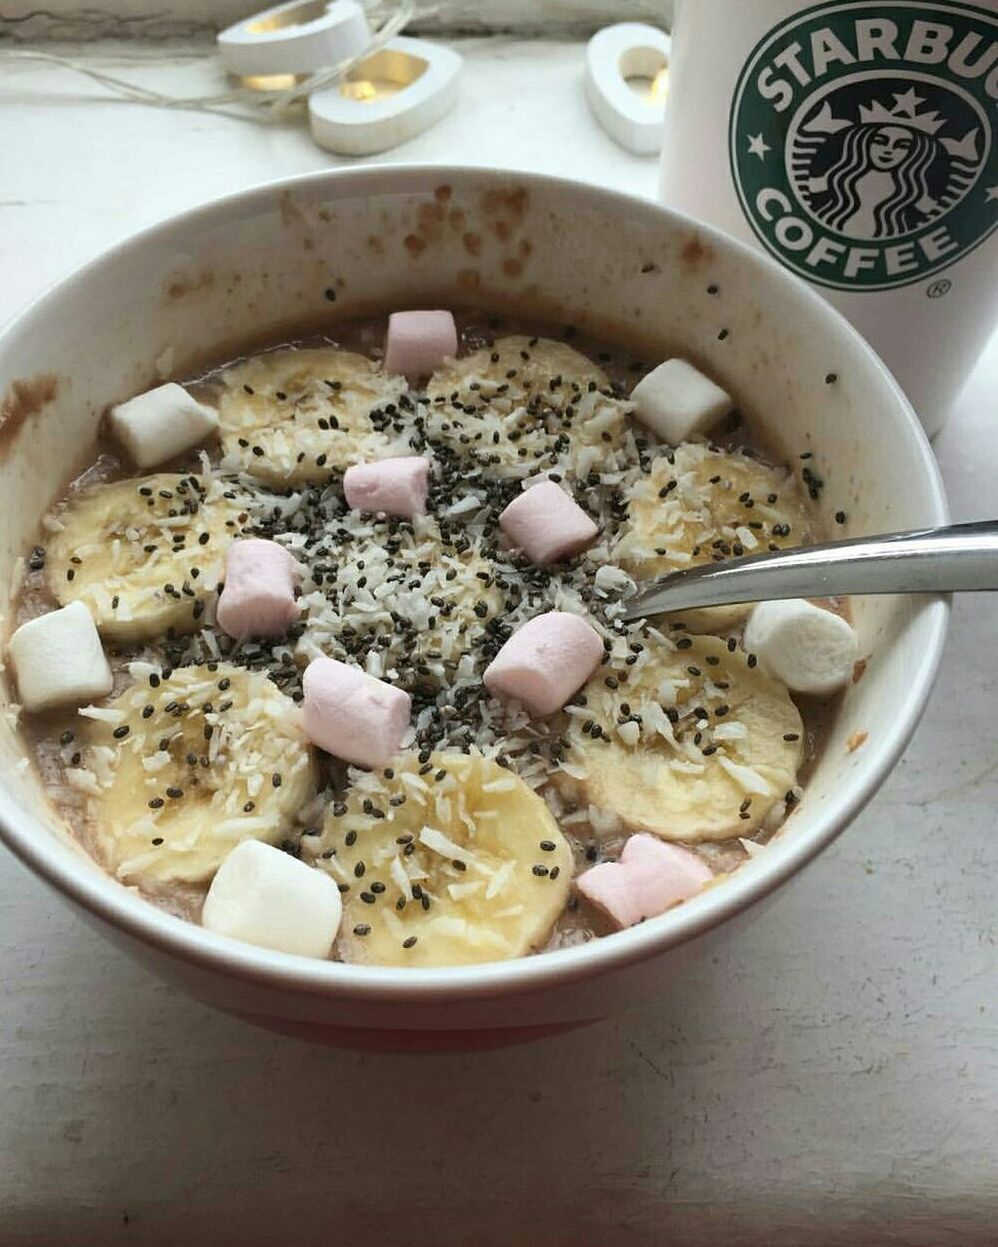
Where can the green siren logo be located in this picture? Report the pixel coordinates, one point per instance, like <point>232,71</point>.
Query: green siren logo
<point>861,140</point>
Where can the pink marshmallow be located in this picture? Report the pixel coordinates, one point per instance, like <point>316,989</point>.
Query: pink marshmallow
<point>545,662</point>
<point>395,486</point>
<point>650,877</point>
<point>419,342</point>
<point>547,524</point>
<point>259,594</point>
<point>352,715</point>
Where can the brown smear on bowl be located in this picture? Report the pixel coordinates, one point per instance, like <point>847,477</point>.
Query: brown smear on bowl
<point>695,252</point>
<point>499,213</point>
<point>503,211</point>
<point>291,213</point>
<point>181,287</point>
<point>431,218</point>
<point>294,218</point>
<point>23,401</point>
<point>511,203</point>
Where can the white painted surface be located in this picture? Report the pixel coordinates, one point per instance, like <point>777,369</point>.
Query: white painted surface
<point>832,1079</point>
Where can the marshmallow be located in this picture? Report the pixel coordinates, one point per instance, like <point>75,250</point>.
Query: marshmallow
<point>161,423</point>
<point>419,342</point>
<point>265,897</point>
<point>649,878</point>
<point>352,715</point>
<point>59,659</point>
<point>547,524</point>
<point>809,649</point>
<point>545,662</point>
<point>676,401</point>
<point>259,594</point>
<point>395,486</point>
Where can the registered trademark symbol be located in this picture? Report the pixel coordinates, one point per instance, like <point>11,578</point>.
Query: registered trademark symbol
<point>938,288</point>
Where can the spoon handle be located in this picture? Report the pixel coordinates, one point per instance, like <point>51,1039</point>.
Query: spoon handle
<point>957,557</point>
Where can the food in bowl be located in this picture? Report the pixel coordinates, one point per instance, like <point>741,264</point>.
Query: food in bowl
<point>324,650</point>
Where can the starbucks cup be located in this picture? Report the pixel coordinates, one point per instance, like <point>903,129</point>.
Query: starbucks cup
<point>856,143</point>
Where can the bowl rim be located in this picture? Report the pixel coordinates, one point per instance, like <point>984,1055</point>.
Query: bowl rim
<point>112,902</point>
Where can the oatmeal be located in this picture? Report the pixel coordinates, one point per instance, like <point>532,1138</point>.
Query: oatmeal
<point>353,680</point>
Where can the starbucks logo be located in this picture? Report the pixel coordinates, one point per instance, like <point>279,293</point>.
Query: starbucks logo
<point>861,140</point>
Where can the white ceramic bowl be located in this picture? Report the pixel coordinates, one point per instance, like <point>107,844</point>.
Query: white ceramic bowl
<point>262,264</point>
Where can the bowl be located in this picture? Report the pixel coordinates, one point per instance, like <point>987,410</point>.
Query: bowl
<point>289,257</point>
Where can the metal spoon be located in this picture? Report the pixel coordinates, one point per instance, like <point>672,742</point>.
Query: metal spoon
<point>953,558</point>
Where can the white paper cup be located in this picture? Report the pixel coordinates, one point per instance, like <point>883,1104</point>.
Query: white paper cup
<point>856,144</point>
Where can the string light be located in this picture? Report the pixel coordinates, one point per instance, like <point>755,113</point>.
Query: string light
<point>267,102</point>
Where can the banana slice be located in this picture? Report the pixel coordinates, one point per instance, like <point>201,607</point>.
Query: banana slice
<point>146,554</point>
<point>290,417</point>
<point>533,363</point>
<point>693,742</point>
<point>699,504</point>
<point>189,764</point>
<point>524,404</point>
<point>456,861</point>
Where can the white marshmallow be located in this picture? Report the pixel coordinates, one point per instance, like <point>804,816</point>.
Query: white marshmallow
<point>547,524</point>
<point>159,424</point>
<point>418,343</point>
<point>396,486</point>
<point>545,662</point>
<point>265,897</point>
<point>676,401</point>
<point>259,594</point>
<point>351,714</point>
<point>811,650</point>
<point>59,660</point>
<point>649,878</point>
